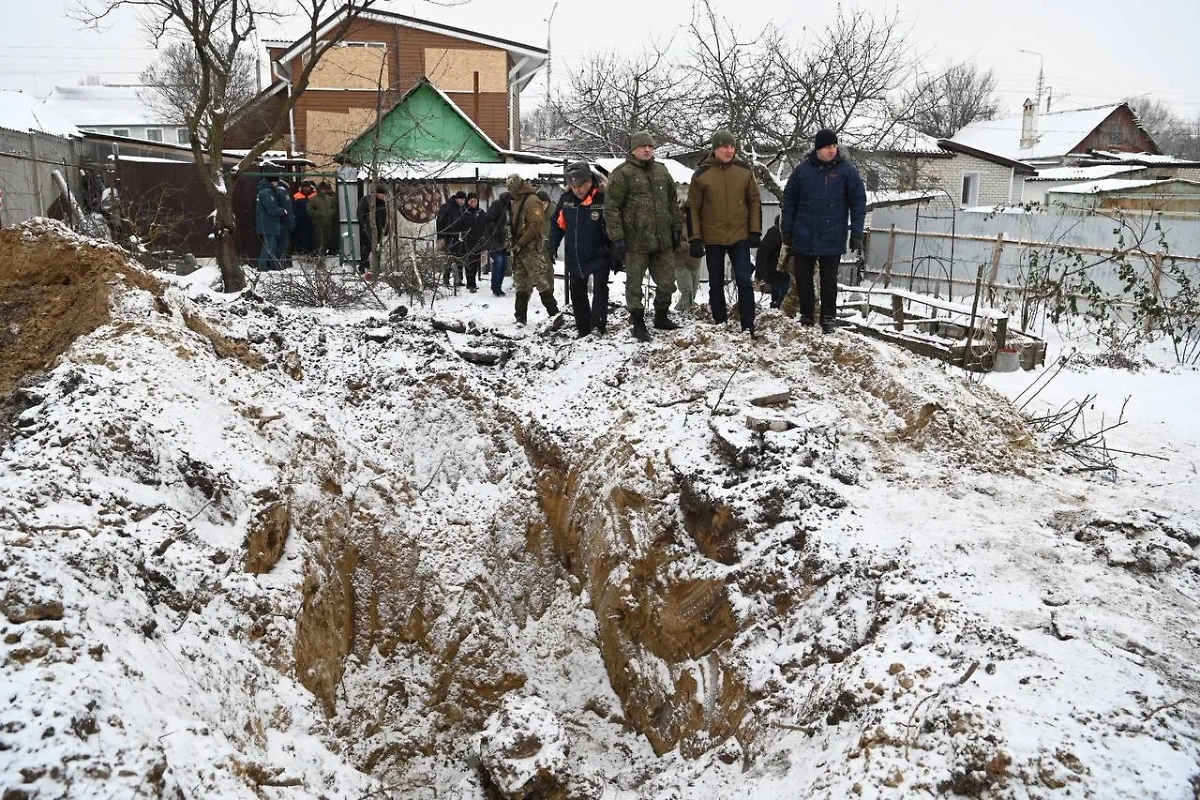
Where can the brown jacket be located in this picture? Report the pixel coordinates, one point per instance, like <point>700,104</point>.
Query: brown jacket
<point>725,203</point>
<point>528,220</point>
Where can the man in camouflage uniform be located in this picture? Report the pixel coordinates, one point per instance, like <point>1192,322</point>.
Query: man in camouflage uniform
<point>529,248</point>
<point>641,214</point>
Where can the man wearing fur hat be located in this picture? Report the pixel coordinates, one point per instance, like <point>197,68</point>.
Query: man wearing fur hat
<point>641,214</point>
<point>726,220</point>
<point>529,248</point>
<point>824,200</point>
<point>578,221</point>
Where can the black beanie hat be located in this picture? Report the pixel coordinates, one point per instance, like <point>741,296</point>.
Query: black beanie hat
<point>472,196</point>
<point>543,195</point>
<point>824,138</point>
<point>460,195</point>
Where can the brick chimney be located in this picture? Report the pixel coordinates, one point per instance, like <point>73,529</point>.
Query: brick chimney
<point>1029,125</point>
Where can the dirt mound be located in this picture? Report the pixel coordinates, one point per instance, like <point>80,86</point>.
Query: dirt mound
<point>54,287</point>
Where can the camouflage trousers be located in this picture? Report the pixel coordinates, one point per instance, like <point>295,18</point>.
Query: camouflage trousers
<point>661,266</point>
<point>529,271</point>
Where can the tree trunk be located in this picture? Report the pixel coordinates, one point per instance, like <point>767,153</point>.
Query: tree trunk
<point>232,276</point>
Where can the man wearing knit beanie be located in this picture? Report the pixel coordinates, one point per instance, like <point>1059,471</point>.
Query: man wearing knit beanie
<point>725,216</point>
<point>824,200</point>
<point>641,215</point>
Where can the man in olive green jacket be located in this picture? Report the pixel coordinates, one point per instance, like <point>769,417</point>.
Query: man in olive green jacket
<point>641,214</point>
<point>726,220</point>
<point>529,248</point>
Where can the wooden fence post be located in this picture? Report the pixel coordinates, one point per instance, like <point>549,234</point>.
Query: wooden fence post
<point>974,309</point>
<point>898,311</point>
<point>997,249</point>
<point>887,267</point>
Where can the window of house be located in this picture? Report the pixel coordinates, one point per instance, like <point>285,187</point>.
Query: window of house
<point>120,131</point>
<point>970,189</point>
<point>154,134</point>
<point>181,136</point>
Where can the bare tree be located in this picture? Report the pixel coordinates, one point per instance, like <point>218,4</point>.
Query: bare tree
<point>217,31</point>
<point>173,83</point>
<point>609,97</point>
<point>774,95</point>
<point>1174,134</point>
<point>943,104</point>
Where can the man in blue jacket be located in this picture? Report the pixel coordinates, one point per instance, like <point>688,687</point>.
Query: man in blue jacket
<point>824,200</point>
<point>268,220</point>
<point>579,222</point>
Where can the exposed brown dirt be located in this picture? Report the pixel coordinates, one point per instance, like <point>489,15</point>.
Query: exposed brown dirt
<point>54,288</point>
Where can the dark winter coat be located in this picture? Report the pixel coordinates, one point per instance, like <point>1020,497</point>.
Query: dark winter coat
<point>766,266</point>
<point>494,224</point>
<point>579,224</point>
<point>267,213</point>
<point>473,221</point>
<point>285,202</point>
<point>453,224</point>
<point>364,216</point>
<point>725,203</point>
<point>823,201</point>
<point>641,206</point>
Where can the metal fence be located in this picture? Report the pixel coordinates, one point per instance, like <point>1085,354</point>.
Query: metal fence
<point>941,252</point>
<point>27,161</point>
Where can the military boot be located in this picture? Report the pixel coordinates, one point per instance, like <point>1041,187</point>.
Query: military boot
<point>638,318</point>
<point>549,302</point>
<point>662,321</point>
<point>522,307</point>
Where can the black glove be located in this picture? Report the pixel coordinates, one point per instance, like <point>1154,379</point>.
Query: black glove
<point>856,244</point>
<point>676,238</point>
<point>552,254</point>
<point>618,251</point>
<point>755,239</point>
<point>696,248</point>
<point>787,239</point>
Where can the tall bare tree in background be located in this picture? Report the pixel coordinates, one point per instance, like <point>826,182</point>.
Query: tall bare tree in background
<point>775,94</point>
<point>218,33</point>
<point>174,81</point>
<point>609,97</point>
<point>1175,135</point>
<point>941,105</point>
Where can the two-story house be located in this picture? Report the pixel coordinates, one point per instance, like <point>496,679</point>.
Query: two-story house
<point>379,59</point>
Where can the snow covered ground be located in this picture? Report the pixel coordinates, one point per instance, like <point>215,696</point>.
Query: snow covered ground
<point>256,551</point>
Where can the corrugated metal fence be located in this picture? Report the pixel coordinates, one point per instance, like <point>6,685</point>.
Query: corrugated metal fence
<point>26,161</point>
<point>939,252</point>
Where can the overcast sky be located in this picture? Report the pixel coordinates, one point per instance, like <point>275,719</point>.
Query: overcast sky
<point>1094,52</point>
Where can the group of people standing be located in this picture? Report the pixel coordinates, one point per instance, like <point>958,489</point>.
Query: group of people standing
<point>300,220</point>
<point>633,221</point>
<point>637,223</point>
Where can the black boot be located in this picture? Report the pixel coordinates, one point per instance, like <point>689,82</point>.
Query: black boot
<point>662,321</point>
<point>549,302</point>
<point>522,307</point>
<point>638,318</point>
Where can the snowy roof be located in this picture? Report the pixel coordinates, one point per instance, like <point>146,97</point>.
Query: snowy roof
<point>22,112</point>
<point>1141,158</point>
<point>463,171</point>
<point>1081,173</point>
<point>878,133</point>
<point>1057,133</point>
<point>103,105</point>
<point>1109,185</point>
<point>898,197</point>
<point>679,172</point>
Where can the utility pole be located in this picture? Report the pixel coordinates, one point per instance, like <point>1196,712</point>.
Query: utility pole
<point>1041,77</point>
<point>549,59</point>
